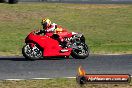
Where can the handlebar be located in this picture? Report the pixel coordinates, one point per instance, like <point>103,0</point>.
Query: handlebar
<point>40,32</point>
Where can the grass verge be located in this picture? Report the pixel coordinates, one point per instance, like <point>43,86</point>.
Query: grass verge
<point>57,83</point>
<point>107,27</point>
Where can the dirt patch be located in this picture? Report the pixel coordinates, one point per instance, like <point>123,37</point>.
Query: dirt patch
<point>11,16</point>
<point>97,6</point>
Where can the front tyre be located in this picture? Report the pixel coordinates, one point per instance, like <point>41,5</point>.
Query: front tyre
<point>81,52</point>
<point>31,53</point>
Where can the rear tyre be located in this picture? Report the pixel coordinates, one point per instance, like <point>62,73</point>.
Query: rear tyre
<point>31,53</point>
<point>81,52</point>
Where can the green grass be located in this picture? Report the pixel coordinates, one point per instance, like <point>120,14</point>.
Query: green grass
<point>108,28</point>
<point>57,83</point>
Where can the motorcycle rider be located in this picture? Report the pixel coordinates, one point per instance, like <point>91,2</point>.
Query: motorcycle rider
<point>48,27</point>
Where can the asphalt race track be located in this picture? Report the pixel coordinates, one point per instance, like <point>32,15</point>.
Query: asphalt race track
<point>19,68</point>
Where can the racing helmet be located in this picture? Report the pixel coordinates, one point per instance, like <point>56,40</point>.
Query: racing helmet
<point>46,23</point>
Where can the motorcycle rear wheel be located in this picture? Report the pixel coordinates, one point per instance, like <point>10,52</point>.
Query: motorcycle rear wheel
<point>33,53</point>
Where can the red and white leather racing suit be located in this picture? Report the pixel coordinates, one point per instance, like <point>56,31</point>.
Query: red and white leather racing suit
<point>58,30</point>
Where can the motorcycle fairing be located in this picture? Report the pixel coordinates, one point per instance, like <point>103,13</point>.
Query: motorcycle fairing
<point>50,46</point>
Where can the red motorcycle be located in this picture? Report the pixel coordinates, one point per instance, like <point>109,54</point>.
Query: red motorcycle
<point>42,45</point>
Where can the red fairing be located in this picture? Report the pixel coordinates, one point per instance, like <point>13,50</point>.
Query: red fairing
<point>49,45</point>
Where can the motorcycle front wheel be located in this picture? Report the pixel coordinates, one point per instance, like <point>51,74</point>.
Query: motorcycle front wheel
<point>31,53</point>
<point>81,52</point>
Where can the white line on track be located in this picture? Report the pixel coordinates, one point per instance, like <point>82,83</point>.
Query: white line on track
<point>14,79</point>
<point>39,78</point>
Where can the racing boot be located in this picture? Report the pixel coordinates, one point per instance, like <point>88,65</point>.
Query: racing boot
<point>63,44</point>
